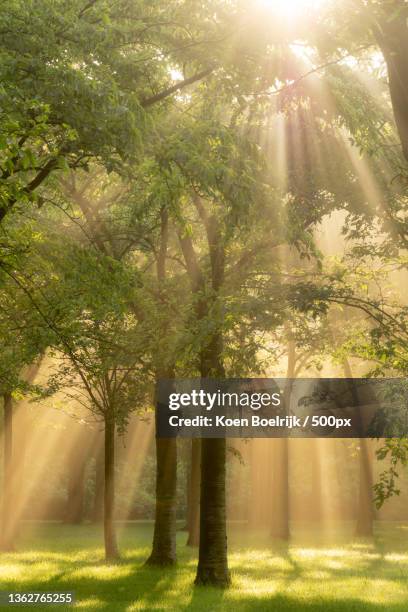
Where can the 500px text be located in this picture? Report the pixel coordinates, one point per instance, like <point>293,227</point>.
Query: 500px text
<point>289,422</point>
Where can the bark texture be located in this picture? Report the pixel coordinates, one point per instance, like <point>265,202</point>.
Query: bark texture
<point>212,562</point>
<point>164,538</point>
<point>111,547</point>
<point>8,527</point>
<point>365,508</point>
<point>193,510</point>
<point>212,566</point>
<point>97,509</point>
<point>280,503</point>
<point>365,505</point>
<point>391,31</point>
<point>75,506</point>
<point>280,528</point>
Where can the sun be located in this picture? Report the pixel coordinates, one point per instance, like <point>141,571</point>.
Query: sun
<point>292,8</point>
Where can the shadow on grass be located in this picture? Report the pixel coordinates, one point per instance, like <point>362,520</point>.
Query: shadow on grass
<point>282,577</point>
<point>282,603</point>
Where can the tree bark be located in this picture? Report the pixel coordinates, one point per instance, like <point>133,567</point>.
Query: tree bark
<point>74,512</point>
<point>280,503</point>
<point>193,510</point>
<point>111,547</point>
<point>213,562</point>
<point>391,32</point>
<point>260,512</point>
<point>316,507</point>
<point>365,510</point>
<point>164,538</point>
<point>8,529</point>
<point>212,566</point>
<point>97,510</point>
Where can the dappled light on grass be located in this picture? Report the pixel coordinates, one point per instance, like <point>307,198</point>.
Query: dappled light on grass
<point>394,557</point>
<point>103,572</point>
<point>266,575</point>
<point>92,603</point>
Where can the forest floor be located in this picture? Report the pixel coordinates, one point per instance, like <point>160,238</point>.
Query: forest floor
<point>330,572</point>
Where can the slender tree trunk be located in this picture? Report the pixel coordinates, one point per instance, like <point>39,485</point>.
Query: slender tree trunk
<point>365,510</point>
<point>164,538</point>
<point>317,509</point>
<point>261,453</point>
<point>8,529</point>
<point>193,516</point>
<point>74,512</point>
<point>185,456</point>
<point>111,547</point>
<point>280,505</point>
<point>76,493</point>
<point>97,510</point>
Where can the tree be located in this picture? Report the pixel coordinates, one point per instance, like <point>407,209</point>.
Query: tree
<point>8,488</point>
<point>98,346</point>
<point>221,205</point>
<point>193,494</point>
<point>77,462</point>
<point>80,82</point>
<point>76,81</point>
<point>388,22</point>
<point>164,538</point>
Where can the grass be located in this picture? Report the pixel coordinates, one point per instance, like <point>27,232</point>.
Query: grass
<point>322,573</point>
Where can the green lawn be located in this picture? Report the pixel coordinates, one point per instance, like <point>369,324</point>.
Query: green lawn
<point>334,573</point>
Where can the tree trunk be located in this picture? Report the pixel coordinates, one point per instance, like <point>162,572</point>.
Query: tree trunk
<point>193,510</point>
<point>316,507</point>
<point>74,512</point>
<point>212,557</point>
<point>365,511</point>
<point>164,538</point>
<point>213,562</point>
<point>261,452</point>
<point>97,510</point>
<point>8,528</point>
<point>392,35</point>
<point>280,503</point>
<point>212,566</point>
<point>111,547</point>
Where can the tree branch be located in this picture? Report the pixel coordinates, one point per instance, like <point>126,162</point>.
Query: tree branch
<point>176,87</point>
